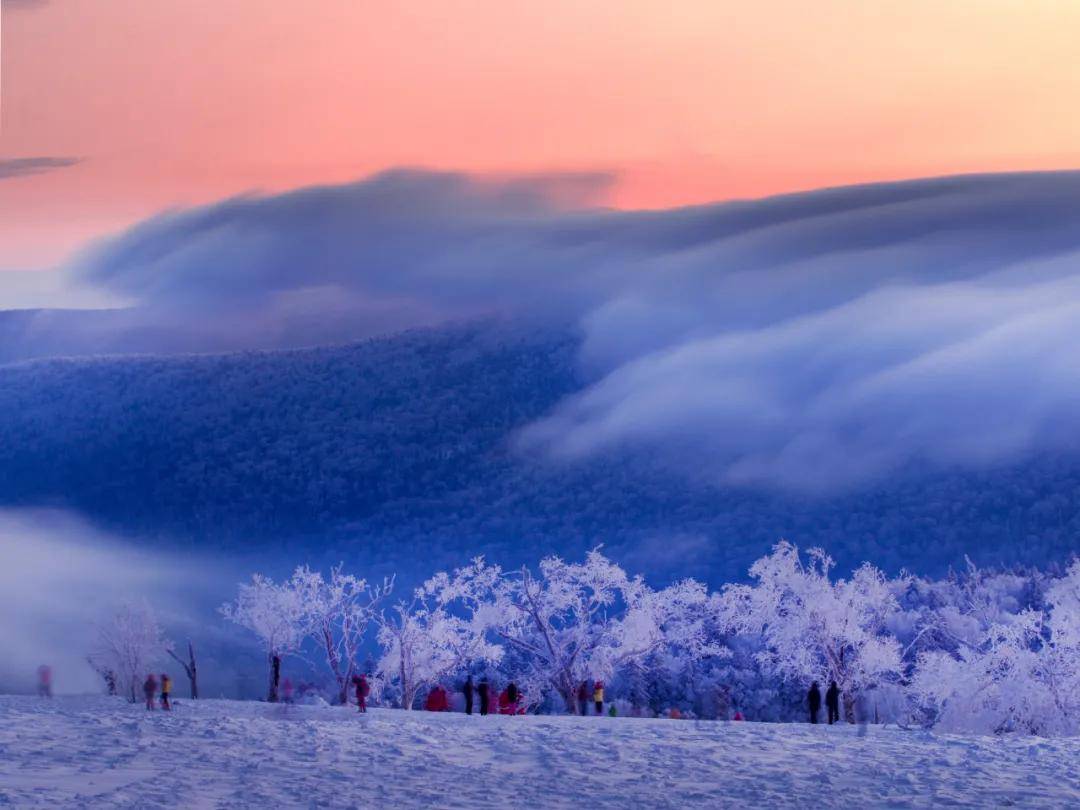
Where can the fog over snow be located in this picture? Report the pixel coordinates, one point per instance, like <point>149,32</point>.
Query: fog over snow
<point>61,577</point>
<point>811,341</point>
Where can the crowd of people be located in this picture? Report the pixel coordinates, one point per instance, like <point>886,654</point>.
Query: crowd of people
<point>510,701</point>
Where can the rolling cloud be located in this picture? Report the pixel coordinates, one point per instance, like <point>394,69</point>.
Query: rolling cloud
<point>807,341</point>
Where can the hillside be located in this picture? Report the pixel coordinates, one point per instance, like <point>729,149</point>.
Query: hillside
<point>398,449</point>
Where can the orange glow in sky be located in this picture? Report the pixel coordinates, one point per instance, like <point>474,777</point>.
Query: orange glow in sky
<point>172,102</point>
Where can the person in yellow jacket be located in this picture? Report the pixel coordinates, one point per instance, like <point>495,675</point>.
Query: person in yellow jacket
<point>166,689</point>
<point>598,696</point>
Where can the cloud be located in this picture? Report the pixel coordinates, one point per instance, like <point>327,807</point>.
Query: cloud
<point>15,5</point>
<point>807,341</point>
<point>20,167</point>
<point>27,289</point>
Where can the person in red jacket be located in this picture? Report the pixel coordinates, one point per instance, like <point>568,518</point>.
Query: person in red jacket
<point>45,680</point>
<point>583,692</point>
<point>363,689</point>
<point>437,700</point>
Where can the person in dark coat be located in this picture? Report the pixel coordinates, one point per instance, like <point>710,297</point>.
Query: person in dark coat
<point>832,702</point>
<point>468,690</point>
<point>275,678</point>
<point>484,691</point>
<point>583,697</point>
<point>813,697</point>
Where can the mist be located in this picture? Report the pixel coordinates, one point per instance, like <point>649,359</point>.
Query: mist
<point>59,577</point>
<point>815,341</point>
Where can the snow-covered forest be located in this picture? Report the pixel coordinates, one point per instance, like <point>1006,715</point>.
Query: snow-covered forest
<point>401,448</point>
<point>984,651</point>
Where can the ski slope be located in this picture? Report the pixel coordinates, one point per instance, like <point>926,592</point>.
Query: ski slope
<point>101,752</point>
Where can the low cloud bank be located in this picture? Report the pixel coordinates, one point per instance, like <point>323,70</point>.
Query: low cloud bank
<point>59,577</point>
<point>811,341</point>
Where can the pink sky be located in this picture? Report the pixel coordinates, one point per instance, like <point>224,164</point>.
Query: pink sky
<point>173,102</point>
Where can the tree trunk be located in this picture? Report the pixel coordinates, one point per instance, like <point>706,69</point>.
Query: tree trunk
<point>408,689</point>
<point>344,681</point>
<point>849,706</point>
<point>275,677</point>
<point>189,669</point>
<point>566,690</point>
<point>193,673</point>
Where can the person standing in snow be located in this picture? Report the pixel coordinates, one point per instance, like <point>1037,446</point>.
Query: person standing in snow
<point>166,690</point>
<point>436,700</point>
<point>287,690</point>
<point>598,697</point>
<point>44,688</point>
<point>832,702</point>
<point>468,690</point>
<point>583,697</point>
<point>362,688</point>
<point>149,688</point>
<point>508,699</point>
<point>813,698</point>
<point>275,677</point>
<point>723,702</point>
<point>484,691</point>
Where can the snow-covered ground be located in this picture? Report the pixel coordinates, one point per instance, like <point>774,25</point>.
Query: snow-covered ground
<point>101,752</point>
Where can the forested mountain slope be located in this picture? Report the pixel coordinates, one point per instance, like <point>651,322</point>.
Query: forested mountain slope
<point>399,449</point>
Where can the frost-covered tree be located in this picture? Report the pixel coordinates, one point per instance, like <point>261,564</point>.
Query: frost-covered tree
<point>127,645</point>
<point>580,620</point>
<point>991,687</point>
<point>277,614</point>
<point>814,628</point>
<point>338,612</point>
<point>1021,672</point>
<point>441,631</point>
<point>981,650</point>
<point>1062,671</point>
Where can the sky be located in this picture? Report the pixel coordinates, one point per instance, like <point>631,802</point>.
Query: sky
<point>113,111</point>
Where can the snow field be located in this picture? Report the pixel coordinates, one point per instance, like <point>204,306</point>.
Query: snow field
<point>90,752</point>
